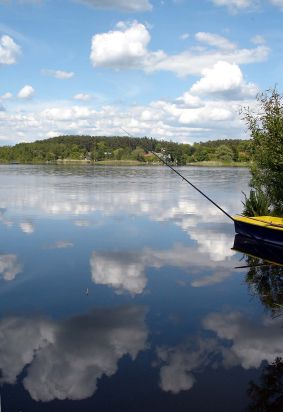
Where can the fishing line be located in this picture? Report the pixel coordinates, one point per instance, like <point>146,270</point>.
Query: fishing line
<point>185,179</point>
<point>202,193</point>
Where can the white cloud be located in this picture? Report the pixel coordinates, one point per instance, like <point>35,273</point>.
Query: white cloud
<point>127,47</point>
<point>9,50</point>
<point>225,79</point>
<point>277,3</point>
<point>236,5</point>
<point>187,119</point>
<point>9,266</point>
<point>215,40</point>
<point>26,92</point>
<point>58,74</point>
<point>192,62</point>
<point>67,114</point>
<point>123,5</point>
<point>82,96</point>
<point>6,96</point>
<point>79,350</point>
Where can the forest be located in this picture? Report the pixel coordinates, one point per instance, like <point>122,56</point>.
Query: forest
<point>117,148</point>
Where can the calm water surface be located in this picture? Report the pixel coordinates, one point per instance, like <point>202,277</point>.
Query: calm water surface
<point>119,292</point>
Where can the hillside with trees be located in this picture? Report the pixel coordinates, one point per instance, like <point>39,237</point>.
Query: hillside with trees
<point>119,148</point>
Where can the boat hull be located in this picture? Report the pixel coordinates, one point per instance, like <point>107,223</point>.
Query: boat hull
<point>259,233</point>
<point>269,252</point>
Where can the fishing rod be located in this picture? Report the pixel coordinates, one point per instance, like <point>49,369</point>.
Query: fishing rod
<point>185,179</point>
<point>202,193</point>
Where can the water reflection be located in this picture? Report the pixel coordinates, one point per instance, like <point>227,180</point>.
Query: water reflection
<point>90,242</point>
<point>60,244</point>
<point>180,363</point>
<point>150,192</point>
<point>9,266</point>
<point>267,394</point>
<point>65,359</point>
<point>236,341</point>
<point>125,271</point>
<point>265,272</point>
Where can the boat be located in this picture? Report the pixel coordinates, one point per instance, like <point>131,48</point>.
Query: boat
<point>268,252</point>
<point>267,229</point>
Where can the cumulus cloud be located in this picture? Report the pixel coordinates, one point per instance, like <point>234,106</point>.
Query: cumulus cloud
<point>9,50</point>
<point>26,92</point>
<point>225,79</point>
<point>127,47</point>
<point>123,5</point>
<point>6,96</point>
<point>67,358</point>
<point>67,113</point>
<point>82,96</point>
<point>9,266</point>
<point>124,47</point>
<point>58,74</point>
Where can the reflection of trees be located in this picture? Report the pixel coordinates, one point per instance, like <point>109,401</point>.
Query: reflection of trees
<point>266,281</point>
<point>267,396</point>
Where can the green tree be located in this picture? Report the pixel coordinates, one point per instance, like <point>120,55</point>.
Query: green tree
<point>224,153</point>
<point>138,154</point>
<point>266,129</point>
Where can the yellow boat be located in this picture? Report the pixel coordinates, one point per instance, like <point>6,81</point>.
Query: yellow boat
<point>270,253</point>
<point>262,228</point>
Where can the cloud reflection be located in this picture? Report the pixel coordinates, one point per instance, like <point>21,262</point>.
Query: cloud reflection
<point>181,361</point>
<point>67,358</point>
<point>152,193</point>
<point>60,244</point>
<point>9,266</point>
<point>126,271</point>
<point>27,227</point>
<point>238,342</point>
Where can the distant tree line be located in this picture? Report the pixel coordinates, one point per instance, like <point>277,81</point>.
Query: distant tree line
<point>100,148</point>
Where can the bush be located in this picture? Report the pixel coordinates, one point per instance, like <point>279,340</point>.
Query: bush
<point>266,129</point>
<point>257,204</point>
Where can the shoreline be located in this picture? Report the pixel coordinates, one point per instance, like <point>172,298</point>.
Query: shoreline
<point>130,163</point>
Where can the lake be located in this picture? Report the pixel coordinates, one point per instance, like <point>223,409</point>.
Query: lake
<point>120,292</point>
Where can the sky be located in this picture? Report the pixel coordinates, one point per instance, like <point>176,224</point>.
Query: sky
<point>177,70</point>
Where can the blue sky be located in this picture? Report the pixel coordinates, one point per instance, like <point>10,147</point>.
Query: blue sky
<point>170,69</point>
